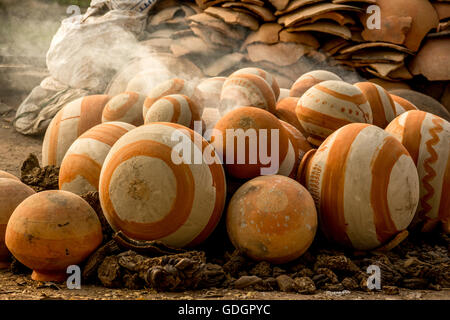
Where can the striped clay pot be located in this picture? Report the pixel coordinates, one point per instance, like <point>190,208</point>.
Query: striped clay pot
<point>148,194</point>
<point>12,193</point>
<point>285,110</point>
<point>310,79</point>
<point>272,218</point>
<point>52,230</point>
<point>263,74</point>
<point>81,166</point>
<point>248,142</point>
<point>125,107</point>
<point>207,93</point>
<point>402,105</point>
<point>69,123</point>
<point>427,138</point>
<point>330,105</point>
<point>175,108</point>
<point>365,186</point>
<point>298,147</point>
<point>246,90</point>
<point>4,174</point>
<point>173,86</point>
<point>380,101</point>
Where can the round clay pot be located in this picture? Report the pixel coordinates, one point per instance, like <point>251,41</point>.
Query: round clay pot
<point>241,90</point>
<point>285,110</point>
<point>330,105</point>
<point>380,101</point>
<point>247,156</point>
<point>4,174</point>
<point>207,93</point>
<point>81,166</point>
<point>125,107</point>
<point>263,74</point>
<point>272,218</point>
<point>310,79</point>
<point>173,86</point>
<point>175,108</point>
<point>150,193</point>
<point>52,230</point>
<point>402,105</point>
<point>69,123</point>
<point>365,186</point>
<point>298,146</point>
<point>12,193</point>
<point>427,138</point>
<point>284,93</point>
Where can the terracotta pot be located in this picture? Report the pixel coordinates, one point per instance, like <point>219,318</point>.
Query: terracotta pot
<point>246,90</point>
<point>175,108</point>
<point>272,218</point>
<point>298,146</point>
<point>69,123</point>
<point>173,86</point>
<point>380,101</point>
<point>207,93</point>
<point>284,93</point>
<point>365,186</point>
<point>12,193</point>
<point>402,105</point>
<point>427,138</point>
<point>81,166</point>
<point>149,193</point>
<point>52,230</point>
<point>285,110</point>
<point>310,79</point>
<point>125,107</point>
<point>263,74</point>
<point>248,161</point>
<point>330,105</point>
<point>4,174</point>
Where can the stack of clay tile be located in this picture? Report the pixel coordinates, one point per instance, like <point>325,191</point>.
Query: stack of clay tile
<point>289,37</point>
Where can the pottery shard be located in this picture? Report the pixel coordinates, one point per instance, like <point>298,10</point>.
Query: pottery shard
<point>237,33</point>
<point>279,4</point>
<point>233,17</point>
<point>262,13</point>
<point>442,9</point>
<point>301,14</point>
<point>300,38</point>
<point>326,27</point>
<point>281,54</point>
<point>203,4</point>
<point>393,29</point>
<point>433,60</point>
<point>268,33</point>
<point>190,45</point>
<point>211,36</point>
<point>295,4</point>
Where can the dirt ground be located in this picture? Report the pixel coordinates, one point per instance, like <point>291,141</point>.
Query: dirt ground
<point>16,287</point>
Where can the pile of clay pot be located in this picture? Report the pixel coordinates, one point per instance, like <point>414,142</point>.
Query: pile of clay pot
<point>151,177</point>
<point>287,37</point>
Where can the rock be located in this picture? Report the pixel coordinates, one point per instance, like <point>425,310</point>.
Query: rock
<point>262,269</point>
<point>391,290</point>
<point>304,285</point>
<point>246,281</point>
<point>277,271</point>
<point>350,284</point>
<point>286,283</point>
<point>109,272</point>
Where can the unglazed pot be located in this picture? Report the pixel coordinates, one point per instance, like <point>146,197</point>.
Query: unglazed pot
<point>244,137</point>
<point>172,86</point>
<point>380,101</point>
<point>52,230</point>
<point>365,186</point>
<point>12,193</point>
<point>285,110</point>
<point>298,147</point>
<point>81,166</point>
<point>270,79</point>
<point>4,174</point>
<point>310,79</point>
<point>207,93</point>
<point>125,107</point>
<point>175,108</point>
<point>152,187</point>
<point>69,123</point>
<point>402,105</point>
<point>272,218</point>
<point>241,90</point>
<point>330,105</point>
<point>427,138</point>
